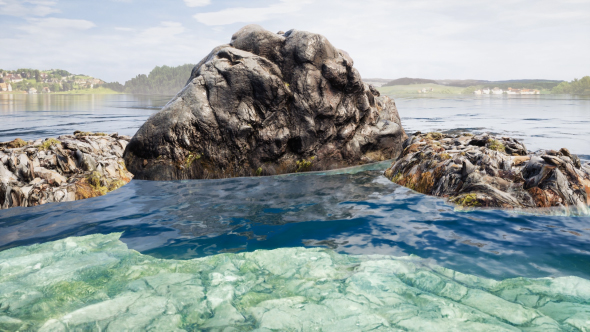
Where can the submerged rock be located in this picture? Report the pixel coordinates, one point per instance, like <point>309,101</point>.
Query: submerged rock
<point>95,283</point>
<point>267,104</point>
<point>490,171</point>
<point>68,168</point>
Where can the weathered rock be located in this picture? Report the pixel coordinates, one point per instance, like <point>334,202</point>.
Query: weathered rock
<point>74,167</point>
<point>483,173</point>
<point>267,104</point>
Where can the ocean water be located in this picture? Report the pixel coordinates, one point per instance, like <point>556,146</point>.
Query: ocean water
<point>351,211</point>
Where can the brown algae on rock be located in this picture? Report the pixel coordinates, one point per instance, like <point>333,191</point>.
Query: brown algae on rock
<point>488,171</point>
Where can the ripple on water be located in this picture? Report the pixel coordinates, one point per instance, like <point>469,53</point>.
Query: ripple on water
<point>355,213</point>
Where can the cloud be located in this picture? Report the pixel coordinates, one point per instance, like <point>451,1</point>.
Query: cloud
<point>49,25</point>
<point>162,32</point>
<point>242,14</point>
<point>197,3</point>
<point>27,8</point>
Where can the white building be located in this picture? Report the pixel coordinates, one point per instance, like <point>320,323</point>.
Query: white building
<point>477,92</point>
<point>486,91</point>
<point>497,91</point>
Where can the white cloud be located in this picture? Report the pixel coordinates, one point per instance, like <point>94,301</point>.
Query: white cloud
<point>125,29</point>
<point>197,3</point>
<point>51,25</point>
<point>165,31</point>
<point>242,14</point>
<point>27,8</point>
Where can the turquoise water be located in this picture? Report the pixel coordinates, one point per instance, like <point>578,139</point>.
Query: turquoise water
<point>347,212</point>
<point>96,283</point>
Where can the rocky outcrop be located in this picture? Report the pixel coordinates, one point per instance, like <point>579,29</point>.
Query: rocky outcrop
<point>68,168</point>
<point>490,171</point>
<point>267,104</point>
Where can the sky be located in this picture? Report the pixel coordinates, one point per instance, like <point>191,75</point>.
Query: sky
<point>116,40</point>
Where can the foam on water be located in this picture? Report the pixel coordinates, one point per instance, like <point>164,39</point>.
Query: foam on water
<point>96,283</point>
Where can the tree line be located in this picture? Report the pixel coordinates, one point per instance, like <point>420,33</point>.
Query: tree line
<point>162,80</point>
<point>575,87</point>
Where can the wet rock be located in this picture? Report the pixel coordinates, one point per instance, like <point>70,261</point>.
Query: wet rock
<point>76,167</point>
<point>267,104</point>
<point>491,174</point>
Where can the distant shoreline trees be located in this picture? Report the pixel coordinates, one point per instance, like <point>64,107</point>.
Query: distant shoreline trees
<point>575,87</point>
<point>163,80</point>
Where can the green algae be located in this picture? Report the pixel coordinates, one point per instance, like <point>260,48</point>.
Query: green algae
<point>95,283</point>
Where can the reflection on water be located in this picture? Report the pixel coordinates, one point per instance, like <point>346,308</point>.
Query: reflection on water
<point>541,121</point>
<point>38,116</point>
<point>356,213</point>
<point>352,211</point>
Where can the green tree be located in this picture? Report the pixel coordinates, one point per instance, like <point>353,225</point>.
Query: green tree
<point>575,87</point>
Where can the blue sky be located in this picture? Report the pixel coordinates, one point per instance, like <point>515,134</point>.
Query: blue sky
<point>118,39</point>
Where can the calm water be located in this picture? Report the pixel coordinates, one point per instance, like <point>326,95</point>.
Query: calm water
<point>354,211</point>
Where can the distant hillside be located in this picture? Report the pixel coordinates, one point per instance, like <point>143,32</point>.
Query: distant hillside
<point>409,81</point>
<point>46,81</point>
<point>461,83</point>
<point>163,80</point>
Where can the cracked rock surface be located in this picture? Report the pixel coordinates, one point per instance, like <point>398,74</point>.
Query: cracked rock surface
<point>94,283</point>
<point>266,104</point>
<point>68,168</point>
<point>490,171</point>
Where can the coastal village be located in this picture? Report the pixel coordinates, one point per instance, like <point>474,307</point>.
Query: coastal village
<point>36,81</point>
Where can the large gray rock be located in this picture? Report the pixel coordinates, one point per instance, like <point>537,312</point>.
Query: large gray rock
<point>267,104</point>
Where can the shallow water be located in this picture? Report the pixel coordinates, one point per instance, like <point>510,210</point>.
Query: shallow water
<point>95,283</point>
<point>355,211</point>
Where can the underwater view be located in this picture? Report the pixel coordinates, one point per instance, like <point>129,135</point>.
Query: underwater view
<point>344,249</point>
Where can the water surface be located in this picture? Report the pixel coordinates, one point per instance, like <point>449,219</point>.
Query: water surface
<point>354,211</point>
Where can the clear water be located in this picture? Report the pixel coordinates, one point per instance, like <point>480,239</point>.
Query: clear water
<point>354,211</point>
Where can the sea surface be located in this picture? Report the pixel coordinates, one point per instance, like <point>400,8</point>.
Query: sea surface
<point>353,211</point>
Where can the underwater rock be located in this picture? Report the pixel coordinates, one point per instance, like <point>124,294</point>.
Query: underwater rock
<point>68,168</point>
<point>489,171</point>
<point>94,283</point>
<point>267,104</point>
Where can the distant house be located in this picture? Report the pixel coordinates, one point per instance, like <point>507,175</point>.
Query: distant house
<point>3,87</point>
<point>42,75</point>
<point>16,78</point>
<point>512,91</point>
<point>497,91</point>
<point>32,91</point>
<point>486,91</point>
<point>9,87</point>
<point>46,90</point>
<point>477,92</point>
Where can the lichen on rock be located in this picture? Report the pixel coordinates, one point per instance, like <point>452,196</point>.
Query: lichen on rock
<point>94,283</point>
<point>267,101</point>
<point>68,168</point>
<point>488,171</point>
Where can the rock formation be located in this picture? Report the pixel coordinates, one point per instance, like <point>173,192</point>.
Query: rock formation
<point>489,171</point>
<point>68,168</point>
<point>267,104</point>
